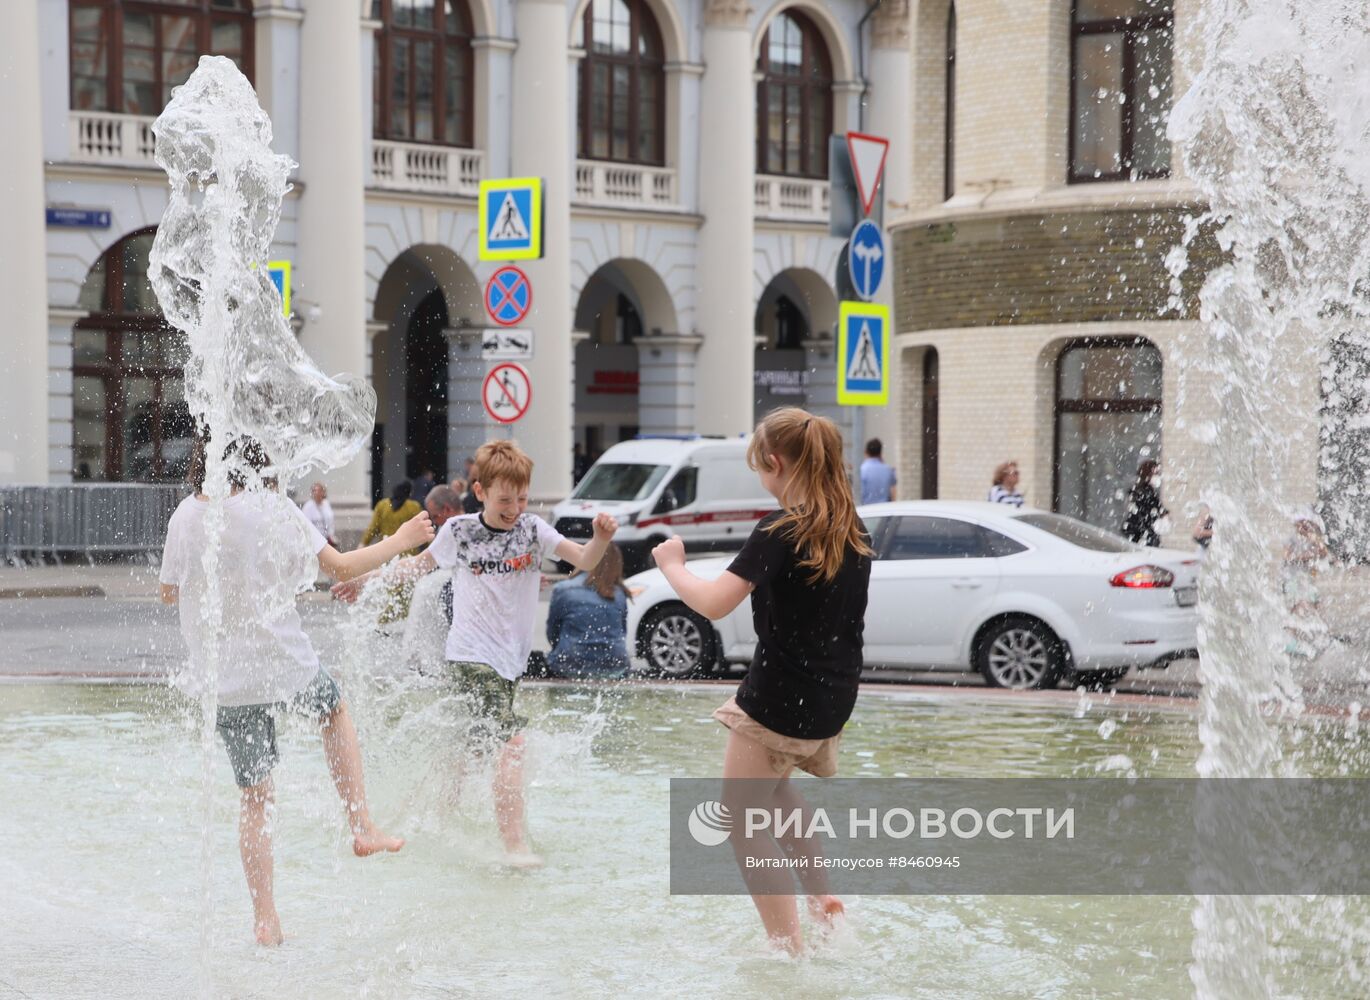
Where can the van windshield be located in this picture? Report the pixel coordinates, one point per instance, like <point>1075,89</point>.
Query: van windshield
<point>620,482</point>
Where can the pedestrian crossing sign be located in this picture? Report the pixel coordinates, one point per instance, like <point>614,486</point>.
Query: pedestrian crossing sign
<point>863,351</point>
<point>510,219</point>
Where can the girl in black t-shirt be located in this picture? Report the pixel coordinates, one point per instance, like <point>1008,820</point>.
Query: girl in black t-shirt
<point>807,569</point>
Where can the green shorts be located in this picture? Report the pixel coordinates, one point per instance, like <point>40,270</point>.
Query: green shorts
<point>490,700</point>
<point>249,731</point>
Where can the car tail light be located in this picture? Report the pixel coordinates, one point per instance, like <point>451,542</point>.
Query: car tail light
<point>1144,577</point>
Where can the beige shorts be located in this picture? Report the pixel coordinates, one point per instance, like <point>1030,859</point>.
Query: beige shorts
<point>818,757</point>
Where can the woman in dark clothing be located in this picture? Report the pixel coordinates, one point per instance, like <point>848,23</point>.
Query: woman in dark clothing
<point>1144,507</point>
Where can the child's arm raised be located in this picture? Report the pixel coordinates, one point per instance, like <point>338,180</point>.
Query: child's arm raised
<point>586,557</point>
<point>416,531</point>
<point>714,599</point>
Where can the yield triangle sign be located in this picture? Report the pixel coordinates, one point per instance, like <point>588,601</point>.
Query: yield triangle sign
<point>867,154</point>
<point>865,362</point>
<point>508,222</point>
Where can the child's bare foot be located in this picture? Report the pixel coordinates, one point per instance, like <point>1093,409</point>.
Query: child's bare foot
<point>826,910</point>
<point>372,841</point>
<point>268,931</point>
<point>522,859</point>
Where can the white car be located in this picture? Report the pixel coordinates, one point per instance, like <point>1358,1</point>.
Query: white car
<point>1024,596</point>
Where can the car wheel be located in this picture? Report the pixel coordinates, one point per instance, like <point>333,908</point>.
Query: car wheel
<point>1019,653</point>
<point>677,642</point>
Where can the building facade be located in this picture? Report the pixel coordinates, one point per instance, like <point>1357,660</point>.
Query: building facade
<point>1035,313</point>
<point>687,280</point>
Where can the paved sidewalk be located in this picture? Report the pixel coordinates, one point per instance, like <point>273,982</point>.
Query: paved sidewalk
<point>117,580</point>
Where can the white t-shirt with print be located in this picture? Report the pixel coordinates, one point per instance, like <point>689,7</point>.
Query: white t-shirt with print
<point>269,554</point>
<point>495,578</point>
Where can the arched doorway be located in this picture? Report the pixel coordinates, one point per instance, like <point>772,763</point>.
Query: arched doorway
<point>623,301</point>
<point>797,307</point>
<point>425,296</point>
<point>130,419</point>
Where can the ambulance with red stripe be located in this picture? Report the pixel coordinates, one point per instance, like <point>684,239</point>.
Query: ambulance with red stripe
<point>696,487</point>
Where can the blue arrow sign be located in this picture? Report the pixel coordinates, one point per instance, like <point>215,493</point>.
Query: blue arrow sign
<point>866,259</point>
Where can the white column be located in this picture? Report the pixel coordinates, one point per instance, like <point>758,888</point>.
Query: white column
<point>23,278</point>
<point>332,244</point>
<point>890,114</point>
<point>540,146</point>
<point>724,379</point>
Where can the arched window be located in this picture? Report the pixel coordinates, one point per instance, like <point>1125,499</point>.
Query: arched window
<point>1108,420</point>
<point>131,422</point>
<point>793,99</point>
<point>1121,84</point>
<point>622,84</point>
<point>126,55</point>
<point>423,76</point>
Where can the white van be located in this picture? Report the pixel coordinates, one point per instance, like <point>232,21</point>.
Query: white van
<point>696,487</point>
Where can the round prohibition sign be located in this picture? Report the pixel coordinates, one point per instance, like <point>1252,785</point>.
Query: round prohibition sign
<point>507,392</point>
<point>508,296</point>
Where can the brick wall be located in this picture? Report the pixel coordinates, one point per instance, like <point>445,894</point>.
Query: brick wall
<point>1067,266</point>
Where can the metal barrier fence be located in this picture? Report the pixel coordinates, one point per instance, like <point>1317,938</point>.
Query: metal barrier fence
<point>84,519</point>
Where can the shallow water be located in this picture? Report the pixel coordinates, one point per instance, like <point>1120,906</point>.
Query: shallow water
<point>102,786</point>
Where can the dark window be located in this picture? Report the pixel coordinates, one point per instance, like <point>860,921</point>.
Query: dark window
<point>1121,82</point>
<point>679,492</point>
<point>949,137</point>
<point>1108,420</point>
<point>791,328</point>
<point>930,429</point>
<point>423,80</point>
<point>998,545</point>
<point>127,55</point>
<point>793,99</point>
<point>622,84</point>
<point>934,538</point>
<point>131,422</point>
<point>619,481</point>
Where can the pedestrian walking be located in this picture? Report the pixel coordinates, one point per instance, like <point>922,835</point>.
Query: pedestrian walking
<point>390,513</point>
<point>1144,507</point>
<point>1005,486</point>
<point>319,512</point>
<point>877,478</point>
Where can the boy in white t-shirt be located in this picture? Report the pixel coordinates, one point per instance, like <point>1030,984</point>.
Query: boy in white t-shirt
<point>269,552</point>
<point>496,558</point>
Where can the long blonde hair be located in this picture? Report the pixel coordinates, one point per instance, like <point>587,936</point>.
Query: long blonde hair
<point>820,512</point>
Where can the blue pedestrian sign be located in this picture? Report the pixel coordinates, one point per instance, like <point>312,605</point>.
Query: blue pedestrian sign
<point>866,259</point>
<point>863,350</point>
<point>510,219</point>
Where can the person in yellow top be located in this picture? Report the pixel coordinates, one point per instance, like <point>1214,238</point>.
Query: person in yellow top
<point>390,513</point>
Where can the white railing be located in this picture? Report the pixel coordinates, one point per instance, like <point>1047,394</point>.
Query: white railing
<point>405,166</point>
<point>795,198</point>
<point>101,137</point>
<point>625,184</point>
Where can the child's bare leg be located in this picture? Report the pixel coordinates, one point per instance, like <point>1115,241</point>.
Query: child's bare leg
<point>771,888</point>
<point>345,764</point>
<point>509,808</point>
<point>254,844</point>
<point>823,906</point>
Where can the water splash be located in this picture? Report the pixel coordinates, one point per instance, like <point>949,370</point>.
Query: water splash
<point>1274,132</point>
<point>246,376</point>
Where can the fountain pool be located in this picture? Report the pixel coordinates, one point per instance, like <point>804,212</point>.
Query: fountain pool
<point>102,790</point>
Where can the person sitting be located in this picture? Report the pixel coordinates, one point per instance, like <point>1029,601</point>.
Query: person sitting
<point>587,622</point>
<point>390,513</point>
